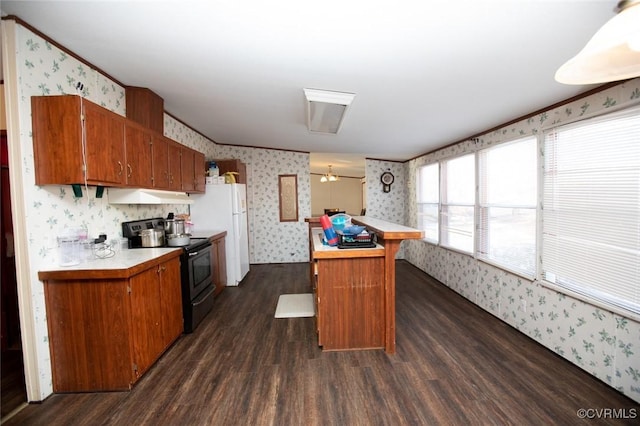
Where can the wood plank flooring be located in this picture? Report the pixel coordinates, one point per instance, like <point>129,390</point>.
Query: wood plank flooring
<point>455,365</point>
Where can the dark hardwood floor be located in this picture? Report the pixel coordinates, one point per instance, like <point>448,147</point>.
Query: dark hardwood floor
<point>455,365</point>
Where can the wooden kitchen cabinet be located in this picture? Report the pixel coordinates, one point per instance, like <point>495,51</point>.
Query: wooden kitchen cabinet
<point>156,308</point>
<point>69,129</point>
<point>187,159</point>
<point>233,165</point>
<point>219,262</point>
<point>175,165</point>
<point>138,145</point>
<point>145,107</point>
<point>160,162</point>
<point>72,134</point>
<point>193,173</point>
<point>200,171</point>
<point>108,327</point>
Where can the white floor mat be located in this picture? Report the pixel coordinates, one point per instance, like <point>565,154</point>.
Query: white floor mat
<point>295,306</point>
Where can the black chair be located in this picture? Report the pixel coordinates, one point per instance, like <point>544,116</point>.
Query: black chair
<point>331,212</point>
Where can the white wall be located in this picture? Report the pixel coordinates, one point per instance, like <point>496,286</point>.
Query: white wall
<point>344,194</point>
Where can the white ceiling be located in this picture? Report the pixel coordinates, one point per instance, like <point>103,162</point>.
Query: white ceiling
<point>425,73</point>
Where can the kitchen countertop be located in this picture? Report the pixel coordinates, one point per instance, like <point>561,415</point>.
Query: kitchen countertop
<point>321,251</point>
<point>206,233</point>
<point>123,264</point>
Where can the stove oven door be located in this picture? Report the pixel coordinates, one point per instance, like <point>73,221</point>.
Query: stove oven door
<point>197,286</point>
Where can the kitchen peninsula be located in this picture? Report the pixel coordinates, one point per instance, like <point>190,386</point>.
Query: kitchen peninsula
<point>354,289</point>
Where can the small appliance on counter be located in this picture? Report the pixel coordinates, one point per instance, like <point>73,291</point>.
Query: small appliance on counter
<point>196,271</point>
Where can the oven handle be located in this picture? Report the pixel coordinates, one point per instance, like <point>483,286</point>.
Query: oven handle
<point>195,253</point>
<point>203,298</point>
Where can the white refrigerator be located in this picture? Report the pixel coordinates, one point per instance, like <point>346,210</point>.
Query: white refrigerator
<point>224,207</point>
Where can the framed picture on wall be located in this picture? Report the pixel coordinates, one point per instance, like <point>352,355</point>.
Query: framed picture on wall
<point>288,193</point>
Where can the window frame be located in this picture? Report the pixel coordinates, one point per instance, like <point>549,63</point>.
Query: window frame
<point>419,203</point>
<point>445,204</point>
<point>482,208</point>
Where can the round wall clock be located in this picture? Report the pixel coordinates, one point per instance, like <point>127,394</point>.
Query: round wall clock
<point>387,179</point>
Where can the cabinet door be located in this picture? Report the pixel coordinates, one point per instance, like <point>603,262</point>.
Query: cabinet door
<point>199,170</point>
<point>171,299</point>
<point>219,264</point>
<point>160,162</point>
<point>104,135</point>
<point>138,148</point>
<point>175,167</point>
<point>187,158</point>
<point>146,319</point>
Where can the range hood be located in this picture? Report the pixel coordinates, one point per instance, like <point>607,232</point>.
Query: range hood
<point>146,196</point>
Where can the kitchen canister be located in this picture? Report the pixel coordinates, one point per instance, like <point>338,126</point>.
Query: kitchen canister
<point>68,250</point>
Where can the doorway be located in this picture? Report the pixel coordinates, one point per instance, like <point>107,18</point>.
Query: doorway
<point>13,388</point>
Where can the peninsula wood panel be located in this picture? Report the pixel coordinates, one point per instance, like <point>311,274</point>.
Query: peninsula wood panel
<point>351,303</point>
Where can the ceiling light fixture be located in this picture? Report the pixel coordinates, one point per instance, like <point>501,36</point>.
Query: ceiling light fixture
<point>329,177</point>
<point>612,54</point>
<point>326,109</point>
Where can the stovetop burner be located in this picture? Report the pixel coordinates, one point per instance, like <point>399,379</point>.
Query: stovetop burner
<point>131,231</point>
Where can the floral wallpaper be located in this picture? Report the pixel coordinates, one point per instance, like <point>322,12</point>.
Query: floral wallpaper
<point>43,69</point>
<point>271,241</point>
<point>390,205</point>
<point>603,343</point>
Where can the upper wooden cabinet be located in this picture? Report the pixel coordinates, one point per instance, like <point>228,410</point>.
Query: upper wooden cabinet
<point>233,165</point>
<point>187,158</point>
<point>200,170</point>
<point>175,165</point>
<point>69,132</point>
<point>138,156</point>
<point>160,162</point>
<point>60,125</point>
<point>145,107</point>
<point>193,173</point>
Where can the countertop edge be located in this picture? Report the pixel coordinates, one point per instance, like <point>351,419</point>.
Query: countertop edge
<point>108,273</point>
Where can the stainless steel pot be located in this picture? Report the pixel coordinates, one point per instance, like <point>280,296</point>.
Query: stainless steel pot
<point>152,237</point>
<point>174,226</point>
<point>178,240</point>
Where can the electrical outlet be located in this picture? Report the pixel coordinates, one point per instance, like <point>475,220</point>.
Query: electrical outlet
<point>523,305</point>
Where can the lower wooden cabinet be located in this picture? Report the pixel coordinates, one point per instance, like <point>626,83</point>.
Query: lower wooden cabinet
<point>219,262</point>
<point>104,334</point>
<point>349,296</point>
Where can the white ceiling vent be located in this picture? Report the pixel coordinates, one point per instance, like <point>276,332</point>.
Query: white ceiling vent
<point>326,109</point>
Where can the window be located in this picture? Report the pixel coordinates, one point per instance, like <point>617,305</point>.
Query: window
<point>428,200</point>
<point>507,205</point>
<point>591,209</point>
<point>458,203</point>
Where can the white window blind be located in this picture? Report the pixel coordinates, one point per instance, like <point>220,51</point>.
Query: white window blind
<point>591,209</point>
<point>458,203</point>
<point>428,201</point>
<point>508,175</point>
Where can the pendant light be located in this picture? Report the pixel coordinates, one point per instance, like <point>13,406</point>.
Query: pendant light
<point>612,54</point>
<point>329,177</point>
